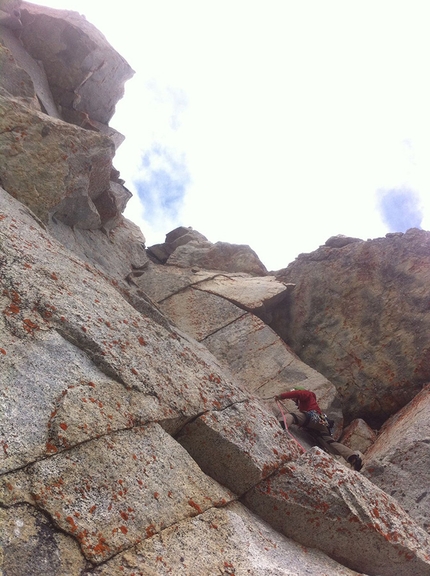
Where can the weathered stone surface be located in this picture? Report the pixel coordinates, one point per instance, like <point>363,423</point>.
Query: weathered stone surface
<point>358,435</point>
<point>322,504</point>
<point>34,70</point>
<point>399,460</point>
<point>219,256</point>
<point>10,15</point>
<point>14,81</point>
<point>31,546</point>
<point>53,167</point>
<point>141,482</point>
<point>238,446</point>
<point>265,364</point>
<point>360,315</point>
<point>230,540</point>
<point>185,310</point>
<point>120,254</point>
<point>84,72</point>
<point>54,307</point>
<point>103,376</point>
<point>62,316</point>
<point>78,404</point>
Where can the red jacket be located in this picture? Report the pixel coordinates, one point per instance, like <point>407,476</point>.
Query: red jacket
<point>306,399</point>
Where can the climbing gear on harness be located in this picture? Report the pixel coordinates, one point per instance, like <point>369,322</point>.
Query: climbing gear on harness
<point>316,418</point>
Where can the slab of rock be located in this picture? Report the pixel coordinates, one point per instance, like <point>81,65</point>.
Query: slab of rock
<point>14,80</point>
<point>322,504</point>
<point>251,293</point>
<point>85,73</point>
<point>230,540</point>
<point>161,282</point>
<point>51,166</point>
<point>238,446</point>
<point>265,364</point>
<point>31,544</point>
<point>60,316</point>
<point>254,294</point>
<point>35,70</point>
<point>113,492</point>
<point>358,436</point>
<point>353,316</point>
<point>200,314</point>
<point>399,460</point>
<point>120,254</point>
<point>218,256</point>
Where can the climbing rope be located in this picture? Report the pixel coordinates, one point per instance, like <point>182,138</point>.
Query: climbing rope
<point>303,450</point>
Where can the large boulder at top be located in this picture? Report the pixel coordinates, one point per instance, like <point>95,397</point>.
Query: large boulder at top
<point>187,248</point>
<point>399,460</point>
<point>360,315</point>
<point>86,75</point>
<point>218,256</point>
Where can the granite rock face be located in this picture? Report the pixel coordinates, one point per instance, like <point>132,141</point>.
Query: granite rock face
<point>337,508</point>
<point>138,430</point>
<point>95,394</point>
<point>360,315</point>
<point>86,75</point>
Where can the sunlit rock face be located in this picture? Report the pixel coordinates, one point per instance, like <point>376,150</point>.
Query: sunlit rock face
<point>138,429</point>
<point>360,315</point>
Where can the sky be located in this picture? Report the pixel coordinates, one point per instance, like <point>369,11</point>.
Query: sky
<point>272,123</point>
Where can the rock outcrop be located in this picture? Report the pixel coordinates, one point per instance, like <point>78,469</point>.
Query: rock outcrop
<point>187,248</point>
<point>360,315</point>
<point>138,432</point>
<point>61,85</point>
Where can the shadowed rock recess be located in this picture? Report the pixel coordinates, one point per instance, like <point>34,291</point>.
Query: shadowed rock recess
<point>137,431</point>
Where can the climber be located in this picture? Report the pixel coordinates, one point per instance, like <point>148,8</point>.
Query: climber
<point>312,418</point>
